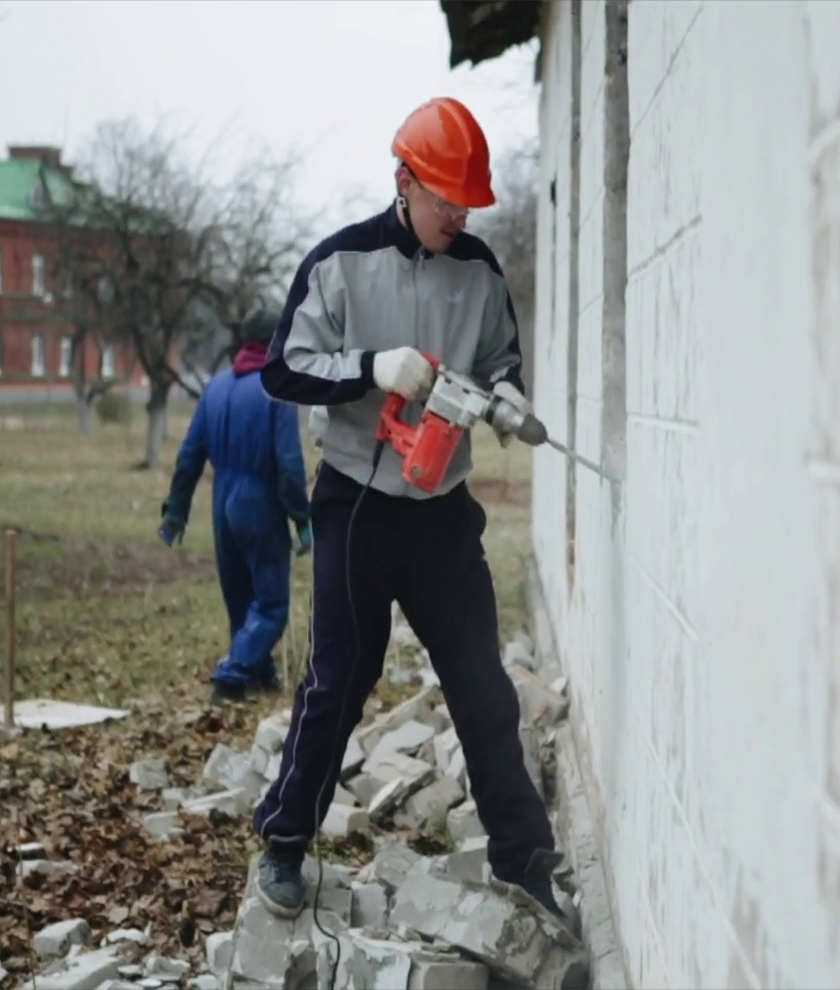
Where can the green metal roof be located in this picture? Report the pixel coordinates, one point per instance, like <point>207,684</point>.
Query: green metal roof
<point>20,180</point>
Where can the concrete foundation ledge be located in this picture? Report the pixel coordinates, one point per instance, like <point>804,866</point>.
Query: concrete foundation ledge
<point>573,823</point>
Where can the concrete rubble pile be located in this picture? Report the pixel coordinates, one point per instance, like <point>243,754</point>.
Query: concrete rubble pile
<point>404,920</point>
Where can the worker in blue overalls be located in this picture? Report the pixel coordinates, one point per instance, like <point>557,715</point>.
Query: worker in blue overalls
<point>253,444</point>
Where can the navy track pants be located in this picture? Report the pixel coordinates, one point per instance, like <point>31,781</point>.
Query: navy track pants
<point>426,555</point>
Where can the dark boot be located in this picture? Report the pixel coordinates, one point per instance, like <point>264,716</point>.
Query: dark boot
<point>279,880</point>
<point>223,691</point>
<point>537,882</point>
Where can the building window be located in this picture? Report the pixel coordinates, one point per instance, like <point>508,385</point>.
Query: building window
<point>107,369</point>
<point>39,287</point>
<point>66,356</point>
<point>37,356</point>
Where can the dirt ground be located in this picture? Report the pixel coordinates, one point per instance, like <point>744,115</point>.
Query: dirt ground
<point>108,615</point>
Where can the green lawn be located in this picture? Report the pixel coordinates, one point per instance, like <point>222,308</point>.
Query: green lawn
<point>107,614</point>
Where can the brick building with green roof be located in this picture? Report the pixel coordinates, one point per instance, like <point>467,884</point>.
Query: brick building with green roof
<point>36,302</point>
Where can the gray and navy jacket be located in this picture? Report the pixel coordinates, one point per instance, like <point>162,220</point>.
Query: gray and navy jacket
<point>371,287</point>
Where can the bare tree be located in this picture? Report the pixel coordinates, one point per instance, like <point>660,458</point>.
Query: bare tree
<point>178,255</point>
<point>510,228</point>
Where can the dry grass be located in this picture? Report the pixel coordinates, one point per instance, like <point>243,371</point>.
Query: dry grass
<point>107,613</point>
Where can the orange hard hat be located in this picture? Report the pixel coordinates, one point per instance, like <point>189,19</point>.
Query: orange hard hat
<point>444,146</point>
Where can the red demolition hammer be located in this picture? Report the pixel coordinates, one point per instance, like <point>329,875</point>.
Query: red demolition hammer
<point>455,404</point>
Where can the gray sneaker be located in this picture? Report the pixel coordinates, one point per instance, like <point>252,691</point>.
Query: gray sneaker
<point>279,880</point>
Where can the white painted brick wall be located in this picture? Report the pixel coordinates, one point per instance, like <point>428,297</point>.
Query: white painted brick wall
<point>702,629</point>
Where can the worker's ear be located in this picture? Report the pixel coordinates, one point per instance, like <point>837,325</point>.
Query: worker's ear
<point>404,178</point>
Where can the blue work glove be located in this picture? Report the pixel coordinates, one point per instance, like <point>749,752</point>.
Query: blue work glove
<point>170,529</point>
<point>304,544</point>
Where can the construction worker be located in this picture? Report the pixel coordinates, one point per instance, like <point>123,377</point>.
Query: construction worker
<point>259,485</point>
<point>363,306</point>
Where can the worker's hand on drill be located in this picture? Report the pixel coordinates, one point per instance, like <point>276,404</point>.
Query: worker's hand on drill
<point>304,546</point>
<point>510,393</point>
<point>403,371</point>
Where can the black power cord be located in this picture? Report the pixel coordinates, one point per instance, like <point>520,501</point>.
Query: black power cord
<point>377,457</point>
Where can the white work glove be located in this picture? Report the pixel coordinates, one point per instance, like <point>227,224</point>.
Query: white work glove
<point>404,371</point>
<point>510,393</point>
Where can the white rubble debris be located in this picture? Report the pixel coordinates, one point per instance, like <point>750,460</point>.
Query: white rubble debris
<point>463,822</point>
<point>30,850</point>
<point>428,807</point>
<point>520,651</point>
<point>354,756</point>
<point>469,861</point>
<point>497,924</point>
<point>271,733</point>
<point>342,819</point>
<point>370,906</point>
<point>134,935</point>
<point>218,949</point>
<point>157,965</point>
<point>55,940</point>
<point>408,738</point>
<point>149,775</point>
<point>163,823</point>
<point>233,771</point>
<point>233,802</point>
<point>83,972</point>
<point>404,921</point>
<point>45,866</point>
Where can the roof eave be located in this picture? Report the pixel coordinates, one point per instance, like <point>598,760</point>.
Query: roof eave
<point>480,30</point>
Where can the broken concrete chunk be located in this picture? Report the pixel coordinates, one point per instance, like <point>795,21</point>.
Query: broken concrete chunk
<point>342,819</point>
<point>234,802</point>
<point>354,756</point>
<point>157,965</point>
<point>204,981</point>
<point>397,766</point>
<point>370,906</point>
<point>29,850</point>
<point>173,797</point>
<point>365,787</point>
<point>218,948</point>
<point>134,935</point>
<point>268,948</point>
<point>530,740</point>
<point>458,768</point>
<point>343,796</point>
<point>447,974</point>
<point>428,807</point>
<point>45,866</point>
<point>163,823</point>
<point>271,734</point>
<point>390,866</point>
<point>232,771</point>
<point>55,940</point>
<point>469,861</point>
<point>417,708</point>
<point>497,924</point>
<point>83,972</point>
<point>519,652</point>
<point>131,971</point>
<point>539,705</point>
<point>445,746</point>
<point>407,738</point>
<point>463,822</point>
<point>149,775</point>
<point>259,759</point>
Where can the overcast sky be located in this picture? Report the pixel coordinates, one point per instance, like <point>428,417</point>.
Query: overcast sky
<point>335,75</point>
